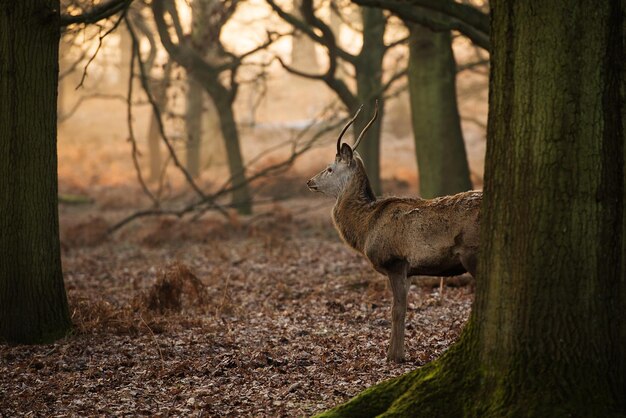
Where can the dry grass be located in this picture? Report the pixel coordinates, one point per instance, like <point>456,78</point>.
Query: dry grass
<point>175,283</point>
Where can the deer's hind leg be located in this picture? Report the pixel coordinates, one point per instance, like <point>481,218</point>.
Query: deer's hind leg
<point>399,286</point>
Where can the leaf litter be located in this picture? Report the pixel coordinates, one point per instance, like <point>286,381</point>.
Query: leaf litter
<point>270,316</point>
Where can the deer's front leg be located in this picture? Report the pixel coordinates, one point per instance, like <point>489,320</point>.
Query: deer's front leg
<point>399,287</point>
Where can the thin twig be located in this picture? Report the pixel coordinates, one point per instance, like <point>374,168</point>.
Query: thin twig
<point>131,133</point>
<point>100,40</point>
<point>202,205</point>
<point>157,115</point>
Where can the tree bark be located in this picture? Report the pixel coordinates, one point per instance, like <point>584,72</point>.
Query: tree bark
<point>159,92</point>
<point>547,334</point>
<point>439,146</point>
<point>126,51</point>
<point>369,73</point>
<point>303,56</point>
<point>33,305</point>
<point>242,199</point>
<point>193,123</point>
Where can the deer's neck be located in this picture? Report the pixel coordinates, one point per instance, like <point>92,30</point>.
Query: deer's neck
<point>351,210</point>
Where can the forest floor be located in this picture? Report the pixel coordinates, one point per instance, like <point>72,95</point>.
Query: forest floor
<point>264,316</point>
<point>269,315</point>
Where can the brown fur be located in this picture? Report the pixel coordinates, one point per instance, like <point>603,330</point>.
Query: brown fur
<point>402,236</point>
<point>435,237</point>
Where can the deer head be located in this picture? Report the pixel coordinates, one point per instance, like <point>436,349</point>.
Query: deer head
<point>337,175</point>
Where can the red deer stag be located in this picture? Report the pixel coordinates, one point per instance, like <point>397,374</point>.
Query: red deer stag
<point>400,237</point>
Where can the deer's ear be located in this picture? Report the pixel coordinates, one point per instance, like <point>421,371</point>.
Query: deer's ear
<point>346,153</point>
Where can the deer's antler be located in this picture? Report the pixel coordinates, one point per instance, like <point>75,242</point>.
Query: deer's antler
<point>345,128</point>
<point>362,134</point>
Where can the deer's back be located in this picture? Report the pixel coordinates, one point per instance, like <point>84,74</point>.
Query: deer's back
<point>430,234</point>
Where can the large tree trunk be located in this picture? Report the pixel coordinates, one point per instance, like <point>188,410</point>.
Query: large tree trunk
<point>369,88</point>
<point>33,305</point>
<point>439,146</point>
<point>547,336</point>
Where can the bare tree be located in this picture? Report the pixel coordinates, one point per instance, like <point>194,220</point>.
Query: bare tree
<point>367,67</point>
<point>217,73</point>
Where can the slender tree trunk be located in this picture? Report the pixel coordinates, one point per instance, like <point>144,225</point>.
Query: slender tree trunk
<point>209,76</point>
<point>193,121</point>
<point>439,146</point>
<point>369,87</point>
<point>303,56</point>
<point>201,41</point>
<point>336,24</point>
<point>155,155</point>
<point>242,199</point>
<point>547,335</point>
<point>212,139</point>
<point>126,50</point>
<point>33,305</point>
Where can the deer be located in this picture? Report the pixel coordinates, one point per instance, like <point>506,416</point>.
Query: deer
<point>399,236</point>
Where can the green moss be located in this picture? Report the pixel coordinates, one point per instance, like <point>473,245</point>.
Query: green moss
<point>442,388</point>
<point>374,400</point>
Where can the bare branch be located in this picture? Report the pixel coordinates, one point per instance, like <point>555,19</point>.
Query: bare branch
<point>307,29</point>
<point>100,39</point>
<point>201,205</point>
<point>157,114</point>
<point>463,12</point>
<point>69,70</point>
<point>438,18</point>
<point>131,132</point>
<point>97,13</point>
<point>396,43</point>
<point>299,73</point>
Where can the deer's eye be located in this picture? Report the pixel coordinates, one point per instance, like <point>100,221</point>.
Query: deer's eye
<point>330,170</point>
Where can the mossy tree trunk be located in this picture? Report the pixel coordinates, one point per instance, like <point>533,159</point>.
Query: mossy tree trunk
<point>547,334</point>
<point>439,146</point>
<point>33,305</point>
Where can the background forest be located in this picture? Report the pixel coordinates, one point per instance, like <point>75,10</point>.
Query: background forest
<point>202,275</point>
<point>199,276</point>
